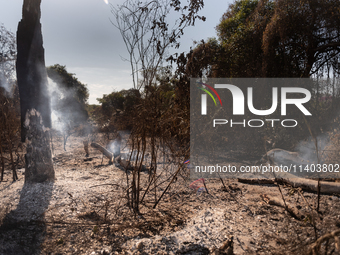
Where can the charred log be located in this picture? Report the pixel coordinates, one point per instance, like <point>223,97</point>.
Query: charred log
<point>296,182</point>
<point>108,154</point>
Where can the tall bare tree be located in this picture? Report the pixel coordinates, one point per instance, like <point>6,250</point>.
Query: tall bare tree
<point>148,34</point>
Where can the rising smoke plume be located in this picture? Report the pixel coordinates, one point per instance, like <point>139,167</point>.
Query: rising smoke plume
<point>67,111</point>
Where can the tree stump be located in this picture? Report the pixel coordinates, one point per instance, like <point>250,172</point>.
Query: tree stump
<point>39,165</point>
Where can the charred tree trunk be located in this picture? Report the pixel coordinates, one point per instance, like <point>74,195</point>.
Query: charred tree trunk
<point>39,166</point>
<point>30,66</point>
<point>2,162</point>
<point>34,100</point>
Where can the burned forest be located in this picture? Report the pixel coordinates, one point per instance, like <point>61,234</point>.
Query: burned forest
<point>231,147</point>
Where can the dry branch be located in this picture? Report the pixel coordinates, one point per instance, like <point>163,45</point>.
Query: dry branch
<point>316,246</point>
<point>105,152</point>
<point>279,202</point>
<point>173,178</point>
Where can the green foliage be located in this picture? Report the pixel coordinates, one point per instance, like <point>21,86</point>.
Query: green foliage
<point>111,103</point>
<point>94,111</point>
<point>120,108</point>
<point>282,38</point>
<point>234,22</point>
<point>302,39</point>
<point>206,59</point>
<point>240,34</point>
<point>68,83</point>
<point>121,101</point>
<point>117,109</point>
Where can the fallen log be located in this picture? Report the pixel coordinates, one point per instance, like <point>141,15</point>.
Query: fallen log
<point>296,182</point>
<point>127,164</point>
<point>124,163</point>
<point>312,185</point>
<point>105,152</point>
<point>291,209</point>
<point>280,157</point>
<point>256,181</point>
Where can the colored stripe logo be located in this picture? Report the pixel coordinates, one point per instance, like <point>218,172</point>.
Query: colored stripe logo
<point>213,90</point>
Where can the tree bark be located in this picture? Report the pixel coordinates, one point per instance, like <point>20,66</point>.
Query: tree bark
<point>39,166</point>
<point>34,99</point>
<point>30,65</point>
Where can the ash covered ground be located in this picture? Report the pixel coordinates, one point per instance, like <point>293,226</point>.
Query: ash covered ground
<point>85,211</point>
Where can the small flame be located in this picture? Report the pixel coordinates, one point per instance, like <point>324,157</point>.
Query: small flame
<point>106,1</point>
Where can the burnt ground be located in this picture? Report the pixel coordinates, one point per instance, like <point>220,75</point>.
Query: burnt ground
<point>85,211</point>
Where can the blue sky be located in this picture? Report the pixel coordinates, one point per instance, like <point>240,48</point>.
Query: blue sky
<point>79,34</point>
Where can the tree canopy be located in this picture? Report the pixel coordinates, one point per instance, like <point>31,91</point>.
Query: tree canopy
<point>280,38</point>
<point>69,85</point>
<point>69,97</point>
<point>304,36</point>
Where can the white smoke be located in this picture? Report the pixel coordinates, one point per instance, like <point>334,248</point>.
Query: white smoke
<point>126,153</point>
<point>56,117</point>
<point>68,115</point>
<point>5,83</point>
<point>313,151</point>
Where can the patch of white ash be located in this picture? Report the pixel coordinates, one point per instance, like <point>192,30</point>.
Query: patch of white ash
<point>203,232</point>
